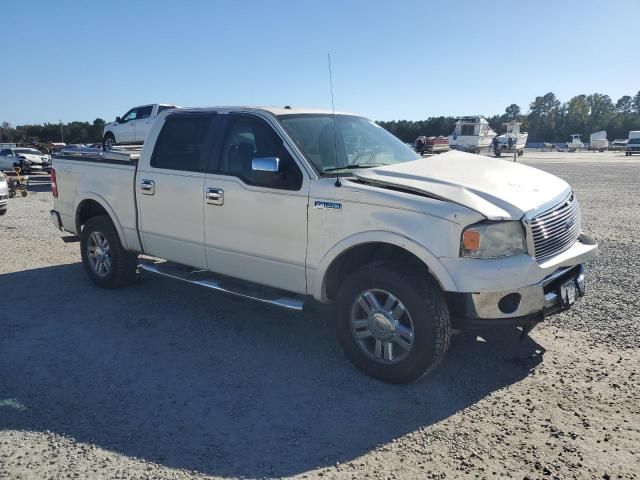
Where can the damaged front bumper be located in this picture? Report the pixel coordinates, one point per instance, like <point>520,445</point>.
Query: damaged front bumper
<point>526,305</point>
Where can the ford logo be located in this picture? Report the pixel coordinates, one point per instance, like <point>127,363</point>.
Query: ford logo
<point>569,223</point>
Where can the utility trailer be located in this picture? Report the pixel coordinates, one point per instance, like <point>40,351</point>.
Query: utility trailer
<point>425,145</point>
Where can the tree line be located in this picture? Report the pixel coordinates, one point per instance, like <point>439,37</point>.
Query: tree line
<point>548,119</point>
<point>72,132</point>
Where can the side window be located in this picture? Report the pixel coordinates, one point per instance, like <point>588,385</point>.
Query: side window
<point>130,115</point>
<point>143,112</point>
<point>5,153</point>
<point>248,138</point>
<point>162,108</point>
<point>182,143</point>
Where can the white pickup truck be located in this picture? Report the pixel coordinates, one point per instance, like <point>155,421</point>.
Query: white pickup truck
<point>285,205</point>
<point>133,126</point>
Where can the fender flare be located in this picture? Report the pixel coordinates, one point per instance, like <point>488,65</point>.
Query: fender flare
<point>104,204</point>
<point>317,287</point>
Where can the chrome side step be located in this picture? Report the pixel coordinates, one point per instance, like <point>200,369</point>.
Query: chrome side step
<point>222,284</point>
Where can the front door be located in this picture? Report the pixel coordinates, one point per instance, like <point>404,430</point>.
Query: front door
<point>142,123</point>
<point>126,130</point>
<point>170,190</point>
<point>256,221</point>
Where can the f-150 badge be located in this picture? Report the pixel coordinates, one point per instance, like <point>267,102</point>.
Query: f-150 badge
<point>327,205</point>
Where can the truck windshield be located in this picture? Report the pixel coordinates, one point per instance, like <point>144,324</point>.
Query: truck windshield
<point>358,142</point>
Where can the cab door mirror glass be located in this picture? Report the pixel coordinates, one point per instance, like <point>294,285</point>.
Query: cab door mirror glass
<point>119,119</point>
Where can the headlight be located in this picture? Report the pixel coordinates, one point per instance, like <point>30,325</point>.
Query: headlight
<point>492,240</point>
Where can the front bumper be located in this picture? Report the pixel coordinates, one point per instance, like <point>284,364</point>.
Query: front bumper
<point>520,305</point>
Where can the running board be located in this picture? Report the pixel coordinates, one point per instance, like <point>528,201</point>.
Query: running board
<point>223,284</point>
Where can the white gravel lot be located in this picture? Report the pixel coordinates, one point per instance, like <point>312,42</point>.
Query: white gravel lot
<point>163,380</point>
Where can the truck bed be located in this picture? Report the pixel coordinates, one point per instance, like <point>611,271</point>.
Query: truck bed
<point>108,177</point>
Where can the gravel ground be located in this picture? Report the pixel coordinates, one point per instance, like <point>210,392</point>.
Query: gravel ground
<point>162,380</point>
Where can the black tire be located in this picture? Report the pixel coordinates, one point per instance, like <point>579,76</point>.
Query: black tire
<point>108,137</point>
<point>3,212</point>
<point>123,264</point>
<point>422,298</point>
<point>23,193</point>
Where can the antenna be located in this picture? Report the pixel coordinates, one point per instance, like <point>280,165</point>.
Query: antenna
<point>333,115</point>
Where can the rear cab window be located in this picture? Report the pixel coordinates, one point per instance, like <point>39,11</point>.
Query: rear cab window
<point>162,108</point>
<point>183,143</point>
<point>144,112</point>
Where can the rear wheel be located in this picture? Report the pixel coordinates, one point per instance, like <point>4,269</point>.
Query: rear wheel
<point>3,212</point>
<point>392,324</point>
<point>106,262</point>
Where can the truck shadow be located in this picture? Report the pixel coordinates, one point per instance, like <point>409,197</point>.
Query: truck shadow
<point>190,379</point>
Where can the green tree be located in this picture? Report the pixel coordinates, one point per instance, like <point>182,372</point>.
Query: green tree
<point>512,112</point>
<point>624,104</point>
<point>601,112</point>
<point>636,103</point>
<point>577,116</point>
<point>545,115</point>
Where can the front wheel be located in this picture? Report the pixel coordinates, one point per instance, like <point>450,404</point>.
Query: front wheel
<point>106,262</point>
<point>392,324</point>
<point>108,141</point>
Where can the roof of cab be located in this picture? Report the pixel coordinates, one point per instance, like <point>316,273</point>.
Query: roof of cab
<point>277,111</point>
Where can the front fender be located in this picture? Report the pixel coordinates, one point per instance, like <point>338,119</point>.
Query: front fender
<point>112,131</point>
<point>316,277</point>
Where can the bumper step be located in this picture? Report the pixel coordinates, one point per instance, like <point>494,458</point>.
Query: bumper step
<point>220,283</point>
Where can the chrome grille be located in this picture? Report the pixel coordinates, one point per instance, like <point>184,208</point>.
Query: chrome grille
<point>556,229</point>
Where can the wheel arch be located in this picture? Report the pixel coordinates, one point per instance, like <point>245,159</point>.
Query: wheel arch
<point>93,205</point>
<point>359,250</point>
<point>110,132</point>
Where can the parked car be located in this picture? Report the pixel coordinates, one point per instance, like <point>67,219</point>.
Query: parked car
<point>619,144</point>
<point>28,159</point>
<point>133,126</point>
<point>4,194</point>
<point>286,205</point>
<point>633,146</point>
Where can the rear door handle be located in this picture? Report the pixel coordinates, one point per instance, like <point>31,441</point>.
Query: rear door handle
<point>214,196</point>
<point>147,187</point>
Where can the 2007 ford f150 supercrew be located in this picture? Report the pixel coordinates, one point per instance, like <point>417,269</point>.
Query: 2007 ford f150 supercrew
<point>281,205</point>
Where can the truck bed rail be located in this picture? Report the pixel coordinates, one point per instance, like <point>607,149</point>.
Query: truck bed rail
<point>118,153</point>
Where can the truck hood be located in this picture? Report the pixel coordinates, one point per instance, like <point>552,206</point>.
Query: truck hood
<point>497,189</point>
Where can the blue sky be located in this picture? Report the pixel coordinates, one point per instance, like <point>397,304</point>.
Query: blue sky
<point>78,60</point>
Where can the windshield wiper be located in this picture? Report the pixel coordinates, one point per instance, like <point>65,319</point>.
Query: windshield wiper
<point>353,167</point>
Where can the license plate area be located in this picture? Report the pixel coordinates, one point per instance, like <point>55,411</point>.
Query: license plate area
<point>568,293</point>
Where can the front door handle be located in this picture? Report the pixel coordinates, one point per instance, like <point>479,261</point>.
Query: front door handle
<point>214,196</point>
<point>147,187</point>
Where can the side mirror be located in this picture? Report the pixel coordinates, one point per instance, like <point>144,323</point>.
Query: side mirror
<point>266,164</point>
<point>118,119</point>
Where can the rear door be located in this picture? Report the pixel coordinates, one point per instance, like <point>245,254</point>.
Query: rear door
<point>256,224</point>
<point>142,123</point>
<point>170,190</point>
